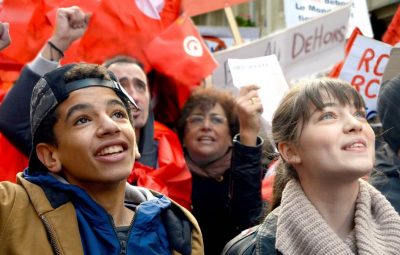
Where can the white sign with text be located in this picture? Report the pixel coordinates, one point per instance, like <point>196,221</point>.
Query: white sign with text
<point>297,11</point>
<point>303,50</point>
<point>364,67</point>
<point>264,72</point>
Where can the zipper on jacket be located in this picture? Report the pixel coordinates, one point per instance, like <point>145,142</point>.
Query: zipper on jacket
<point>123,247</point>
<point>123,243</point>
<point>51,234</point>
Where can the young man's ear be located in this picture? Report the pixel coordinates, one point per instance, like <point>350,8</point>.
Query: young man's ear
<point>48,155</point>
<point>289,153</point>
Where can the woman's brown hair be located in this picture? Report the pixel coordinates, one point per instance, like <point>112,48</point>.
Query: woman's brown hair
<point>294,112</point>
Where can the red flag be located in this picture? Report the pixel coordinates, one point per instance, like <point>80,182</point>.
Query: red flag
<point>392,34</point>
<point>180,52</point>
<point>18,13</point>
<point>172,177</point>
<point>196,7</point>
<point>124,27</point>
<point>32,23</point>
<point>11,161</point>
<point>338,67</point>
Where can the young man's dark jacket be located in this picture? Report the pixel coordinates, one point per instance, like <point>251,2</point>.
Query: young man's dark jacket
<point>386,175</point>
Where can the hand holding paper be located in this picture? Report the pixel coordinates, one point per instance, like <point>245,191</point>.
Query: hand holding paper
<point>249,109</point>
<point>267,74</point>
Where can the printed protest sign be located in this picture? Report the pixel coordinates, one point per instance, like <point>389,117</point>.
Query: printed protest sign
<point>305,49</point>
<point>364,67</point>
<point>297,11</point>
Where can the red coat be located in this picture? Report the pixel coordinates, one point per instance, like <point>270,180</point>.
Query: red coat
<point>11,161</point>
<point>172,177</point>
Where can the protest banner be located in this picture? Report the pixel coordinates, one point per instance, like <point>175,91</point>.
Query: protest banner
<point>302,50</point>
<point>364,67</point>
<point>264,72</point>
<point>297,11</point>
<point>180,52</point>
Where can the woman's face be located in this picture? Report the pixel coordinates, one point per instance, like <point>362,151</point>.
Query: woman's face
<point>207,135</point>
<point>337,142</point>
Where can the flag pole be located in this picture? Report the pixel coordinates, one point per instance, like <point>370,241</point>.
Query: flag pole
<point>233,25</point>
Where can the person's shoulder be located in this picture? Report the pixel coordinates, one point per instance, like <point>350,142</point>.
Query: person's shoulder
<point>244,243</point>
<point>261,238</point>
<point>11,191</point>
<point>386,158</point>
<point>13,197</point>
<point>183,230</point>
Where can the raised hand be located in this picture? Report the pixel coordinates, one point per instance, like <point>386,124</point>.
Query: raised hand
<point>249,109</point>
<point>71,24</point>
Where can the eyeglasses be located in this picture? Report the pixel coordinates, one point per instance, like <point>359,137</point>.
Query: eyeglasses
<point>199,120</point>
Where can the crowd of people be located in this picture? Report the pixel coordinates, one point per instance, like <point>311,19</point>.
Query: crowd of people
<point>104,177</point>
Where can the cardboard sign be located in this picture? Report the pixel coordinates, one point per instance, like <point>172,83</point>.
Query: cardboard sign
<point>297,11</point>
<point>264,72</point>
<point>305,49</point>
<point>364,67</point>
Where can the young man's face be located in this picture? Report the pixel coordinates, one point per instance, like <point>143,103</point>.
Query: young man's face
<point>134,81</point>
<point>95,139</point>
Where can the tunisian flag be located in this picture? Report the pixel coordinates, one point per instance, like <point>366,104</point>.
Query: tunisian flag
<point>180,52</point>
<point>124,27</point>
<point>196,7</point>
<point>19,13</point>
<point>32,23</point>
<point>392,34</point>
<point>11,161</point>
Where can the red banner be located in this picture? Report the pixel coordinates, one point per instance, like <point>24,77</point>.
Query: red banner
<point>124,29</point>
<point>19,13</point>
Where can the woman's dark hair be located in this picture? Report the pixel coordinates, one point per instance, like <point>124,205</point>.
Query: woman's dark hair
<point>207,98</point>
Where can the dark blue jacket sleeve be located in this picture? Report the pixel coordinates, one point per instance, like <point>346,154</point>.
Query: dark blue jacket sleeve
<point>245,189</point>
<point>15,111</point>
<point>386,175</point>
